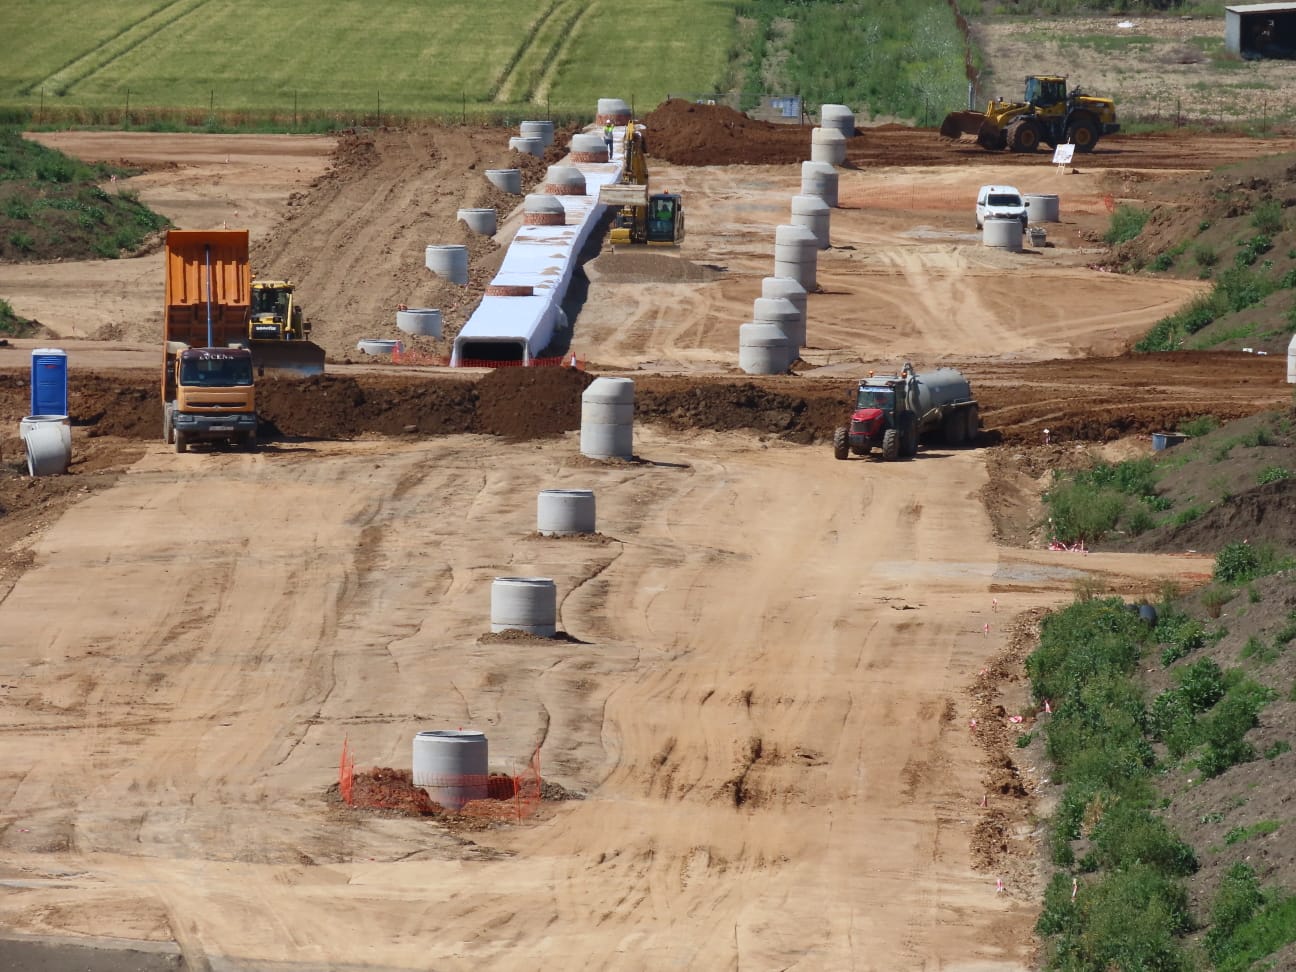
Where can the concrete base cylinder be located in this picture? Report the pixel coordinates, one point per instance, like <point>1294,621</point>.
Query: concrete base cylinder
<point>783,314</point>
<point>1291,361</point>
<point>827,145</point>
<point>614,110</point>
<point>452,765</point>
<point>509,180</point>
<point>762,349</point>
<point>607,419</point>
<point>819,179</point>
<point>49,446</point>
<point>529,145</point>
<point>839,117</point>
<point>527,604</point>
<point>423,321</point>
<point>1003,234</point>
<point>542,210</point>
<point>564,180</point>
<point>796,255</point>
<point>543,130</point>
<point>815,215</point>
<point>449,261</point>
<point>1043,208</point>
<point>565,512</point>
<point>483,222</point>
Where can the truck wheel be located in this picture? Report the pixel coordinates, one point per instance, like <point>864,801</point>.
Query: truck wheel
<point>972,415</point>
<point>954,428</point>
<point>841,445</point>
<point>168,429</point>
<point>247,441</point>
<point>891,445</point>
<point>181,442</point>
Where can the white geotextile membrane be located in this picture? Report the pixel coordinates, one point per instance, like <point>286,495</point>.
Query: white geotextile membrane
<point>542,257</point>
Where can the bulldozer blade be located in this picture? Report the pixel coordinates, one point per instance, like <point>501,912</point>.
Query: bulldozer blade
<point>960,123</point>
<point>298,357</point>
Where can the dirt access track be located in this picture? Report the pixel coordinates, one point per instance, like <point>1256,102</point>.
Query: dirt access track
<point>773,659</point>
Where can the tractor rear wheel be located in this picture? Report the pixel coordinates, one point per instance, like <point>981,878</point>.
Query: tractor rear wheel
<point>909,435</point>
<point>1083,133</point>
<point>891,445</point>
<point>841,445</point>
<point>1023,135</point>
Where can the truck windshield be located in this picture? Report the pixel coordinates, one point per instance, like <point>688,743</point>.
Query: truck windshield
<point>875,398</point>
<point>216,370</point>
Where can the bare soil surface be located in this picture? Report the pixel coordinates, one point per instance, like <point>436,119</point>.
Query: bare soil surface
<point>770,781</point>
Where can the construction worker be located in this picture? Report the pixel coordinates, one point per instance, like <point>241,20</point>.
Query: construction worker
<point>608,131</point>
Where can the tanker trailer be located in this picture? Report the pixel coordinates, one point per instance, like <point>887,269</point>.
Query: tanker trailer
<point>892,412</point>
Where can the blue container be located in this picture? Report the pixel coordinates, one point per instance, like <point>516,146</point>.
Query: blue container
<point>49,382</point>
<point>1164,440</point>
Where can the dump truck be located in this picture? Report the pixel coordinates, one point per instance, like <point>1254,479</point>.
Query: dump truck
<point>641,217</point>
<point>1047,113</point>
<point>893,412</point>
<point>278,332</point>
<point>207,369</point>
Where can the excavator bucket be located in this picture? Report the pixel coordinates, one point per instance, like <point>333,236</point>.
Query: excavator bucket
<point>960,123</point>
<point>298,357</point>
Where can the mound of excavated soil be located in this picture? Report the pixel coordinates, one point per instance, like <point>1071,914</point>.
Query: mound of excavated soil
<point>689,134</point>
<point>525,403</point>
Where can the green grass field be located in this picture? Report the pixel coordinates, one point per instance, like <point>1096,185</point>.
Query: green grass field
<point>406,58</point>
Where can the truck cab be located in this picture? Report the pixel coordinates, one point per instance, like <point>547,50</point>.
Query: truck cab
<point>212,398</point>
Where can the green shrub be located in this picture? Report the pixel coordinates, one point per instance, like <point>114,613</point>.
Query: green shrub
<point>1272,474</point>
<point>1223,729</point>
<point>1180,635</point>
<point>1162,263</point>
<point>1236,900</point>
<point>1080,513</point>
<point>1199,426</point>
<point>1215,597</point>
<point>1265,932</point>
<point>1205,256</point>
<point>1267,217</point>
<point>1277,749</point>
<point>1261,829</point>
<point>1251,250</point>
<point>1237,563</point>
<point>1127,222</point>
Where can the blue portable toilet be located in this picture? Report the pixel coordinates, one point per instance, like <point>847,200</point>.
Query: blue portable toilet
<point>49,382</point>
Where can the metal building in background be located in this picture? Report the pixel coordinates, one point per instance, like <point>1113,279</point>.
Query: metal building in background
<point>1261,30</point>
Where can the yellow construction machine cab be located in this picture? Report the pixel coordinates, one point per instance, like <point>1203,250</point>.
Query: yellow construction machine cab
<point>275,315</point>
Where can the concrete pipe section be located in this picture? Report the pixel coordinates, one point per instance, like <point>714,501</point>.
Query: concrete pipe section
<point>796,255</point>
<point>564,180</point>
<point>527,604</point>
<point>377,346</point>
<point>788,289</point>
<point>1003,233</point>
<point>827,145</point>
<point>421,321</point>
<point>612,110</point>
<point>527,145</point>
<point>543,130</point>
<point>506,180</point>
<point>48,441</point>
<point>449,261</point>
<point>565,512</point>
<point>762,349</point>
<point>839,117</point>
<point>483,222</point>
<point>452,765</point>
<point>819,179</point>
<point>607,419</point>
<point>815,215</point>
<point>784,314</point>
<point>1043,208</point>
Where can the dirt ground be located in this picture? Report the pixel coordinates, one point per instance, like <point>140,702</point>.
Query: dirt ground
<point>775,660</point>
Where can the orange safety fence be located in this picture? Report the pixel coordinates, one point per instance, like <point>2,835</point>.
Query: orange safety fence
<point>502,797</point>
<point>407,356</point>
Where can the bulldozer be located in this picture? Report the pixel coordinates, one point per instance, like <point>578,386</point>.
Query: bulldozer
<point>1048,113</point>
<point>278,332</point>
<point>641,218</point>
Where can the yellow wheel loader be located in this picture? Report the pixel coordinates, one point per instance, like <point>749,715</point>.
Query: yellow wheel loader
<point>278,332</point>
<point>1048,114</point>
<point>653,219</point>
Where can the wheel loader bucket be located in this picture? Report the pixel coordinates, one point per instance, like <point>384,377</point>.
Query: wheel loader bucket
<point>960,123</point>
<point>299,357</point>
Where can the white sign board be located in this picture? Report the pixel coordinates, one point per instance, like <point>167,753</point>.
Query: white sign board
<point>1063,154</point>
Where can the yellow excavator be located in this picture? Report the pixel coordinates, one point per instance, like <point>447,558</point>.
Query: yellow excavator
<point>278,332</point>
<point>652,219</point>
<point>1047,113</point>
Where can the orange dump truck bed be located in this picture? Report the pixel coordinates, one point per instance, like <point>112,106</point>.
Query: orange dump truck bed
<point>203,263</point>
